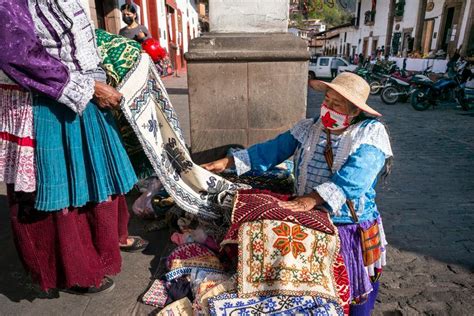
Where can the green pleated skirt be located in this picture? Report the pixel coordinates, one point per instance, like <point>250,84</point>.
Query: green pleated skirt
<point>79,159</point>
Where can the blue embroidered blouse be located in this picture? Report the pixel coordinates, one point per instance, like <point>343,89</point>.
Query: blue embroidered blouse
<point>360,154</point>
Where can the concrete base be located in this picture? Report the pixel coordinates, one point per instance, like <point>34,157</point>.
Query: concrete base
<point>244,89</point>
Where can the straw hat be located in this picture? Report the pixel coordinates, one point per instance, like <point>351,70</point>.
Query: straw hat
<point>352,87</point>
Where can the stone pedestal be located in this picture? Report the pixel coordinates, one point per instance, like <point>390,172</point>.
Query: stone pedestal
<point>244,88</point>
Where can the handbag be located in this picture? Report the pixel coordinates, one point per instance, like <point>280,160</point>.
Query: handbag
<point>369,237</point>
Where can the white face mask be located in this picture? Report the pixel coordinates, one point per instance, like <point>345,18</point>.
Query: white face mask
<point>333,120</point>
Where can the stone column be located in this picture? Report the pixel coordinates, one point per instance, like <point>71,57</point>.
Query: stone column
<point>388,35</point>
<point>420,22</point>
<point>247,78</point>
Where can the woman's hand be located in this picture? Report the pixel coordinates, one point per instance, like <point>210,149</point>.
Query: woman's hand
<point>105,96</point>
<point>303,203</point>
<point>219,165</point>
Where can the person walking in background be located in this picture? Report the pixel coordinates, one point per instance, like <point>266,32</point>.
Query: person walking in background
<point>133,30</point>
<point>68,225</point>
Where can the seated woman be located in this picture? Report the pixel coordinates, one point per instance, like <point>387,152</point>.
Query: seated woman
<point>338,157</point>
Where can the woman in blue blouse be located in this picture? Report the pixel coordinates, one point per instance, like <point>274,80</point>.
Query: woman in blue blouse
<point>360,148</point>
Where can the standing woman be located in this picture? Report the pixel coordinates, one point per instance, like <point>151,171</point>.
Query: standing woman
<point>67,231</point>
<point>133,30</point>
<point>338,157</point>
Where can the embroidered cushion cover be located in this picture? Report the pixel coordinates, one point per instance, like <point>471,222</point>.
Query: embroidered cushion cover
<point>277,257</point>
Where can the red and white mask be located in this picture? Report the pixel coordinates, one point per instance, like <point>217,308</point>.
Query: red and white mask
<point>334,120</point>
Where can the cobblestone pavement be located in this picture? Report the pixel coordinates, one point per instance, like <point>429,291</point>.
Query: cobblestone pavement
<point>426,204</point>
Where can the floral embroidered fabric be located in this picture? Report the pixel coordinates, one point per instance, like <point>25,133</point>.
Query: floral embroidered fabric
<point>278,257</point>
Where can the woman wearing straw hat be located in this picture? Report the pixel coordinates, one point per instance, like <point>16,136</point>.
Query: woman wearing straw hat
<point>338,157</point>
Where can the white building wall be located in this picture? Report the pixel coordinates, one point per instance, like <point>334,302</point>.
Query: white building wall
<point>379,29</point>
<point>410,16</point>
<point>162,24</point>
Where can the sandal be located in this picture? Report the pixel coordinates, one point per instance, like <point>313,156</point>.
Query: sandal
<point>106,286</point>
<point>138,244</point>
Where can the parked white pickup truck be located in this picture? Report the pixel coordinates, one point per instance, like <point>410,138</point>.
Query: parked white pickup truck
<point>321,67</point>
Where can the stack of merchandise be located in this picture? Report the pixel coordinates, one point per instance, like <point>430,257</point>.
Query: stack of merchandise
<point>271,261</point>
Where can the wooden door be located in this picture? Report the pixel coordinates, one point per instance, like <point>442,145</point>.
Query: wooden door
<point>365,46</point>
<point>427,36</point>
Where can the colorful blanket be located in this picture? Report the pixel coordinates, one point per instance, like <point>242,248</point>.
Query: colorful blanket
<point>147,108</point>
<point>230,304</point>
<point>277,257</point>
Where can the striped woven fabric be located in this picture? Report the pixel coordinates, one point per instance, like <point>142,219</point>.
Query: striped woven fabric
<point>252,205</point>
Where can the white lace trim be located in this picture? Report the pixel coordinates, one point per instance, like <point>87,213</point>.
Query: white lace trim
<point>242,161</point>
<point>17,166</point>
<point>78,92</point>
<point>333,195</point>
<point>301,129</point>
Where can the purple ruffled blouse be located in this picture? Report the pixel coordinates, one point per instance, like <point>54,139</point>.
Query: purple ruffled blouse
<point>48,47</point>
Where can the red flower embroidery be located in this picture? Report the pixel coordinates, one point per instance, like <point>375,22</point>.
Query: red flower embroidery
<point>328,121</point>
<point>291,241</point>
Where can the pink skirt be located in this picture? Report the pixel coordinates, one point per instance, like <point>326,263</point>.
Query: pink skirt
<point>73,247</point>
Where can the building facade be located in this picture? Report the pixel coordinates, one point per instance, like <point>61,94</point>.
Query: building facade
<point>417,28</point>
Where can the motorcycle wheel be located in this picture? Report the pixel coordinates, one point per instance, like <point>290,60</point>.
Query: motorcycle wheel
<point>375,87</point>
<point>389,95</point>
<point>419,101</point>
<point>460,98</point>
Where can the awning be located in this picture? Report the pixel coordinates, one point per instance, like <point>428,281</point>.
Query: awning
<point>172,3</point>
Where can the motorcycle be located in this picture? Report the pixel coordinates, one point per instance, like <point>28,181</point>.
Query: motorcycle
<point>464,94</point>
<point>427,92</point>
<point>399,86</point>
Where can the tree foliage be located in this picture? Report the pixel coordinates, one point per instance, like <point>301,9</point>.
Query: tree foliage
<point>331,16</point>
<point>318,9</point>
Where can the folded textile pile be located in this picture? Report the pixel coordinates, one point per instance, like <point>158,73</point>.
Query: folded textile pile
<point>287,263</point>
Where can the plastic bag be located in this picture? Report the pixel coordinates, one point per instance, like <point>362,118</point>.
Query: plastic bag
<point>142,207</point>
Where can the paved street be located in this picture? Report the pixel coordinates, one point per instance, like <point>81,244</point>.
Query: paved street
<point>426,205</point>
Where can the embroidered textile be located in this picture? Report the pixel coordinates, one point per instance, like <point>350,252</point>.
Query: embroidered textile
<point>252,205</point>
<point>147,108</point>
<point>119,55</point>
<point>193,255</point>
<point>156,294</point>
<point>273,305</point>
<point>183,307</point>
<point>17,163</point>
<point>277,257</point>
<point>177,273</point>
<point>188,251</point>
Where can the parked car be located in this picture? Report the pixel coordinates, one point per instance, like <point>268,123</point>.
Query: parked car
<point>321,66</point>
